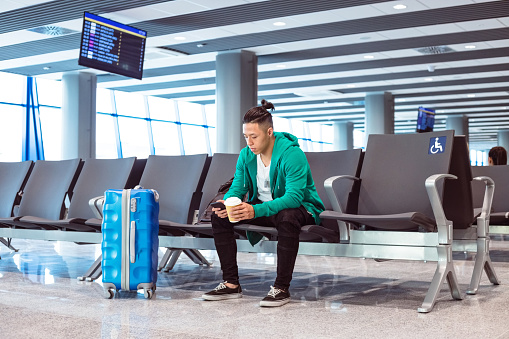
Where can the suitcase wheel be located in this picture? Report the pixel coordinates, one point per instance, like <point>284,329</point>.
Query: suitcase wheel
<point>148,294</point>
<point>109,294</point>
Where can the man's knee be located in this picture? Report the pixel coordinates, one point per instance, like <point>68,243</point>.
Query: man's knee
<point>220,225</point>
<point>289,222</point>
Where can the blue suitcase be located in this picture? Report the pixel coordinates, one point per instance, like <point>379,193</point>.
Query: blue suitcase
<point>130,242</point>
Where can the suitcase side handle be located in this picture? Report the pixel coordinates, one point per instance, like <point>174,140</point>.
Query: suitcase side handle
<point>132,238</point>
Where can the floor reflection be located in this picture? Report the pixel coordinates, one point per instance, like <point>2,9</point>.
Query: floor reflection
<point>329,296</point>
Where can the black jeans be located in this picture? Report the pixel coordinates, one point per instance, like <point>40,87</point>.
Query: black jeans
<point>288,223</point>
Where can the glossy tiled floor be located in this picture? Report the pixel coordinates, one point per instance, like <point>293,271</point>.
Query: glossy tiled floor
<point>331,297</point>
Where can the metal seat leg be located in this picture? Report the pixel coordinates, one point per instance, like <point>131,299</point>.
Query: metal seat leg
<point>164,259</point>
<point>445,270</point>
<point>203,260</point>
<point>192,255</point>
<point>175,254</point>
<point>7,242</point>
<point>97,273</point>
<point>92,269</point>
<point>482,261</point>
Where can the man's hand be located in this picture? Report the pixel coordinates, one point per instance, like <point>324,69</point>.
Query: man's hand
<point>221,213</point>
<point>243,211</point>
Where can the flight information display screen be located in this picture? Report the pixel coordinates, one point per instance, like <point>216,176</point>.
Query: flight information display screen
<point>425,120</point>
<point>113,47</point>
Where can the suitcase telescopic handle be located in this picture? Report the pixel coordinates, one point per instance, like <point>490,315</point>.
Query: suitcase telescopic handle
<point>132,238</point>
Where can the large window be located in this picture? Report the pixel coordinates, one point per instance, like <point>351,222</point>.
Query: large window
<point>12,96</point>
<point>11,127</point>
<point>166,138</point>
<point>327,138</point>
<point>192,117</point>
<point>282,125</point>
<point>51,126</point>
<point>478,158</point>
<point>134,137</point>
<point>129,104</point>
<point>106,137</point>
<point>49,93</point>
<point>161,109</point>
<point>104,101</point>
<point>128,124</point>
<point>211,116</point>
<point>12,88</point>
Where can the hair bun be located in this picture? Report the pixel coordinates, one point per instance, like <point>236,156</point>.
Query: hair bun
<point>267,105</point>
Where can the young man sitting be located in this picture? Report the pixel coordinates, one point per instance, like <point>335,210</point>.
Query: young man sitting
<point>274,171</point>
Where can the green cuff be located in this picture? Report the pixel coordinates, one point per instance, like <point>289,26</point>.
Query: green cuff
<point>253,237</point>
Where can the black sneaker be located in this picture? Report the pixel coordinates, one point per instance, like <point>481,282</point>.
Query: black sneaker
<point>223,292</point>
<point>275,298</point>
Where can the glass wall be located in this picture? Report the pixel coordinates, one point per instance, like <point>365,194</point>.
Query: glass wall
<point>12,98</point>
<point>128,124</point>
<point>478,158</point>
<point>49,93</point>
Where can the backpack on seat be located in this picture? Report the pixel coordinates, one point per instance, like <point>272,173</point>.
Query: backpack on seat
<point>206,216</point>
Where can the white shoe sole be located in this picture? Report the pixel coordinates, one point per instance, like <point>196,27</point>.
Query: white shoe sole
<point>278,303</point>
<point>222,297</point>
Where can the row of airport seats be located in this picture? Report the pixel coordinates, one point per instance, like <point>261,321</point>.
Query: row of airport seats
<point>391,202</point>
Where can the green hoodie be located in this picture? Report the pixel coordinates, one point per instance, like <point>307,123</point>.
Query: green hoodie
<point>291,182</point>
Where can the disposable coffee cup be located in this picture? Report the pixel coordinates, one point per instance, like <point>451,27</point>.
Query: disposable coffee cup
<point>230,203</point>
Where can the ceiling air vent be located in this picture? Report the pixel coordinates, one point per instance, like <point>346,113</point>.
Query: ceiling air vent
<point>435,50</point>
<point>161,52</point>
<point>52,30</point>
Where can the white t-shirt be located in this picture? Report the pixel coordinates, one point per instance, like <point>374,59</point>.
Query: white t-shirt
<point>263,180</point>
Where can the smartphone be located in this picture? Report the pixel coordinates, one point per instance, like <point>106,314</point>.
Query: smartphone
<point>218,204</point>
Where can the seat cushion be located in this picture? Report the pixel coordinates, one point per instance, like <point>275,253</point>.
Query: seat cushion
<point>499,218</point>
<point>395,222</point>
<point>175,228</point>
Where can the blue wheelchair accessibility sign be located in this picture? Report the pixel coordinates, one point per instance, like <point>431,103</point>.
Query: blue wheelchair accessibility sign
<point>437,145</point>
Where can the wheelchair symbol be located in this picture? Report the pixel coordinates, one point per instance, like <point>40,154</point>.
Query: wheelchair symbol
<point>436,147</point>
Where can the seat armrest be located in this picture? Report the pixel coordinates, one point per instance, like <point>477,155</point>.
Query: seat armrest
<point>444,226</point>
<point>343,227</point>
<point>483,220</point>
<point>96,204</point>
<point>331,194</point>
<point>15,211</point>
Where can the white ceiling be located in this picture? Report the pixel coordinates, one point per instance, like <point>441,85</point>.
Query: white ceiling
<point>321,48</point>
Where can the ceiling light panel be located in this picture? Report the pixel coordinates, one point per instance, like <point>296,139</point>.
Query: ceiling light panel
<point>410,6</point>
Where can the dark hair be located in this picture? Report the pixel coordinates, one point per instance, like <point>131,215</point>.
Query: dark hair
<point>499,155</point>
<point>260,115</point>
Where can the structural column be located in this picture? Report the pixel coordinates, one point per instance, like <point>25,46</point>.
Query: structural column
<point>459,124</point>
<point>236,93</point>
<point>343,135</point>
<point>503,139</point>
<point>379,117</point>
<point>78,115</point>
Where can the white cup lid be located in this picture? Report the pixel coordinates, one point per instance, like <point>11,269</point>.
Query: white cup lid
<point>232,201</point>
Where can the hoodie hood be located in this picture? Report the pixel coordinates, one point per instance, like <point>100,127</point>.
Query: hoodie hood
<point>283,142</point>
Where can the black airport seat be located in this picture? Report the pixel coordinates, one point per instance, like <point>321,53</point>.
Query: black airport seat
<point>96,176</point>
<point>13,177</point>
<point>45,192</point>
<point>404,207</point>
<point>222,169</point>
<point>499,214</point>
